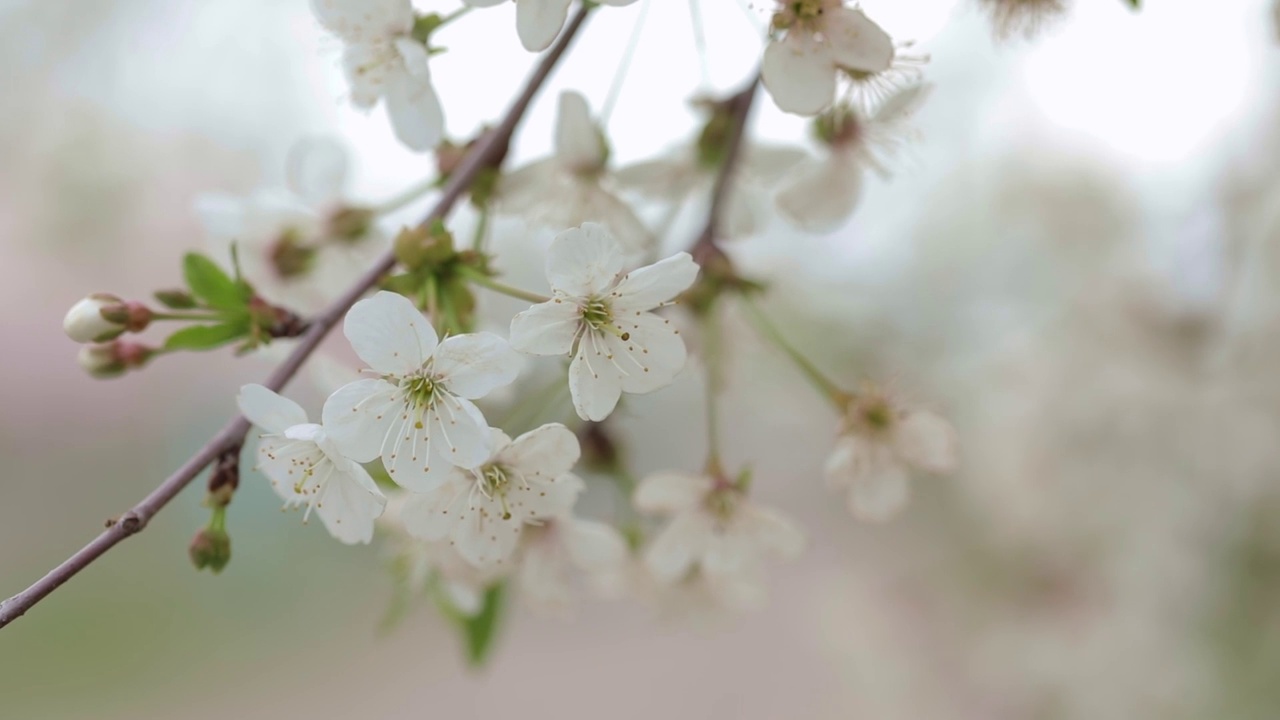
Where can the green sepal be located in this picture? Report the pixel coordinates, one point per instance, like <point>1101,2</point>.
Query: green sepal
<point>215,287</point>
<point>207,337</point>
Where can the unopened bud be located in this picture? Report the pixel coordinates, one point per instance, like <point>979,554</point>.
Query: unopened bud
<point>176,299</point>
<point>421,247</point>
<point>113,358</point>
<point>350,224</point>
<point>85,321</point>
<point>134,316</point>
<point>210,548</point>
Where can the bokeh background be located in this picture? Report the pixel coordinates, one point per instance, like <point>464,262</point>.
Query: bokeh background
<point>1077,260</point>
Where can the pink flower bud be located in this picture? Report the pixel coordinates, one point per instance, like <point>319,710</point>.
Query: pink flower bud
<point>114,358</point>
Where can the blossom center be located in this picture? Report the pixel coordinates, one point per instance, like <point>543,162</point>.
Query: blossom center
<point>722,503</point>
<point>419,391</point>
<point>598,315</point>
<point>493,482</point>
<point>795,12</point>
<point>290,258</point>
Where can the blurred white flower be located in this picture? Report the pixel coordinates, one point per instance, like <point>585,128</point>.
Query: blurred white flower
<point>305,467</point>
<point>716,532</point>
<point>554,549</point>
<point>298,249</point>
<point>482,511</point>
<point>822,194</point>
<point>383,60</point>
<point>602,318</point>
<point>566,189</point>
<point>822,38</point>
<point>879,445</point>
<point>417,414</point>
<point>689,172</point>
<point>538,22</point>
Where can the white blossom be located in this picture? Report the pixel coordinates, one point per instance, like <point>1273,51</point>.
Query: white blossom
<point>481,511</point>
<point>384,61</point>
<point>306,468</point>
<point>417,414</point>
<point>85,323</point>
<point>820,195</point>
<point>568,188</point>
<point>601,317</point>
<point>297,249</point>
<point>686,173</point>
<point>555,550</point>
<point>421,565</point>
<point>538,22</point>
<point>879,445</point>
<point>820,40</point>
<point>716,535</point>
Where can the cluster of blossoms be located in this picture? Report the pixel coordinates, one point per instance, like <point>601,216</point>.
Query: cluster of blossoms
<point>472,508</point>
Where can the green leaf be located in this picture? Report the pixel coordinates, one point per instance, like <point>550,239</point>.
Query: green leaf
<point>1135,4</point>
<point>206,337</point>
<point>211,284</point>
<point>479,630</point>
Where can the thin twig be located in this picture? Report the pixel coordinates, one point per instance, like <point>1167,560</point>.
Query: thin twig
<point>489,152</point>
<point>706,248</point>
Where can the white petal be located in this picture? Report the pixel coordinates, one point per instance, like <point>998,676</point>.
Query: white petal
<point>539,21</point>
<point>592,546</point>
<point>316,169</point>
<point>768,164</point>
<point>483,3</point>
<point>269,411</point>
<point>670,492</point>
<point>547,328</point>
<point>482,537</point>
<point>671,179</point>
<point>651,357</point>
<point>415,57</point>
<point>542,499</point>
<point>367,67</point>
<point>222,216</point>
<point>799,73</point>
<point>285,463</point>
<point>856,41</point>
<point>349,503</point>
<point>526,189</point>
<point>853,458</point>
<point>579,144</point>
<point>771,531</point>
<point>414,110</point>
<point>473,365</point>
<point>728,553</point>
<point>927,441</point>
<point>583,261</point>
<point>902,104</point>
<point>823,196</point>
<point>432,515</point>
<point>460,432</point>
<point>589,202</point>
<point>544,453</point>
<point>594,382</point>
<point>679,546</point>
<point>544,575</point>
<point>652,285</point>
<point>389,333</point>
<point>880,495</point>
<point>357,416</point>
<point>364,20</point>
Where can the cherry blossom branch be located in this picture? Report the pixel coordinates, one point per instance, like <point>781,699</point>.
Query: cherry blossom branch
<point>706,247</point>
<point>489,152</point>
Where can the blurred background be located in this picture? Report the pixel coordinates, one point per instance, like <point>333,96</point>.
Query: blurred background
<point>1077,260</point>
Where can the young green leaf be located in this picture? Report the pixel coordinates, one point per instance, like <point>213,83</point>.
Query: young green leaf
<point>481,629</point>
<point>206,337</point>
<point>212,285</point>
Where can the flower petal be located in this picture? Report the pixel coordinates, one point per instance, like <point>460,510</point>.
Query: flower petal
<point>459,432</point>
<point>473,365</point>
<point>269,411</point>
<point>823,196</point>
<point>358,416</point>
<point>364,20</point>
<point>583,261</point>
<point>679,546</point>
<point>482,537</point>
<point>349,503</point>
<point>771,531</point>
<point>670,179</point>
<point>285,463</point>
<point>927,441</point>
<point>856,41</point>
<point>652,355</point>
<point>592,546</point>
<point>389,333</point>
<point>579,144</point>
<point>670,492</point>
<point>544,453</point>
<point>799,73</point>
<point>539,21</point>
<point>431,516</point>
<point>414,110</point>
<point>594,382</point>
<point>652,285</point>
<point>547,328</point>
<point>881,494</point>
<point>316,169</point>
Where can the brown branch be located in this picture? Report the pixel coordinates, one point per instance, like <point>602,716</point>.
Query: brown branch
<point>487,153</point>
<point>706,249</point>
